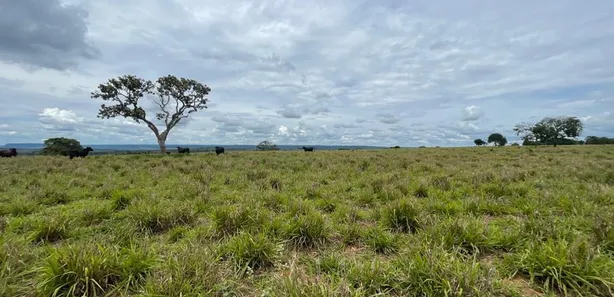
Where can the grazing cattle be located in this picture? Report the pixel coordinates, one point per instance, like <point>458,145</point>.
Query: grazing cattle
<point>80,153</point>
<point>183,150</point>
<point>308,149</point>
<point>168,153</point>
<point>12,152</point>
<point>219,150</point>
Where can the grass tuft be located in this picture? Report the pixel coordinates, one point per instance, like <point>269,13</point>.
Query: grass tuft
<point>402,216</point>
<point>251,252</point>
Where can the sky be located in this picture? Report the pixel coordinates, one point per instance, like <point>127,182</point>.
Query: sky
<point>334,72</point>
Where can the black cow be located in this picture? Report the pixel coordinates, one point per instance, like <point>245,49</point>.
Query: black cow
<point>308,149</point>
<point>183,150</point>
<point>219,150</point>
<point>80,153</point>
<point>12,152</point>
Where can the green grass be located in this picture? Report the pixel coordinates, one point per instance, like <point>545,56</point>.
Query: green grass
<point>509,221</point>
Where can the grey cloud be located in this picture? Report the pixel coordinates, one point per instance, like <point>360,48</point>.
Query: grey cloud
<point>388,118</point>
<point>346,126</point>
<point>289,113</point>
<point>45,34</point>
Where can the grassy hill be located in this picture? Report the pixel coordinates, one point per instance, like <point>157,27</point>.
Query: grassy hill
<point>510,221</point>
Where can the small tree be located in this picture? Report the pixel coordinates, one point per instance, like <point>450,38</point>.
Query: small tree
<point>479,142</point>
<point>176,99</point>
<point>266,146</point>
<point>551,130</point>
<point>60,146</point>
<point>497,139</point>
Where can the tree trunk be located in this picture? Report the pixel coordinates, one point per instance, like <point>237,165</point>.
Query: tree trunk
<point>162,143</point>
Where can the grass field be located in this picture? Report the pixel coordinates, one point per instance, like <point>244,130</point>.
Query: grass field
<point>512,221</point>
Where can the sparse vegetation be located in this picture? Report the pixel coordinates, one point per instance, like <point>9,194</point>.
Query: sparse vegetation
<point>394,222</point>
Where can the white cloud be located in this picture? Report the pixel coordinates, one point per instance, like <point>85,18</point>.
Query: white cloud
<point>59,115</point>
<point>472,113</point>
<point>354,72</point>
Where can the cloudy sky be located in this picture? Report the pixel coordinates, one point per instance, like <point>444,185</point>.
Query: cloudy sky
<point>431,72</point>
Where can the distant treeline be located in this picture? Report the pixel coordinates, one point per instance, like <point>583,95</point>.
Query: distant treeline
<point>587,140</point>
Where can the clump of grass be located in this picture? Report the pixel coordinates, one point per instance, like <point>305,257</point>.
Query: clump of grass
<point>604,233</point>
<point>121,199</point>
<point>15,259</point>
<point>250,252</point>
<point>421,191</point>
<point>299,285</point>
<point>50,229</point>
<point>192,271</point>
<point>54,197</point>
<point>382,241</point>
<point>328,262</point>
<point>18,207</point>
<point>351,233</point>
<point>326,205</point>
<point>565,267</point>
<point>307,231</point>
<point>91,270</point>
<point>160,216</point>
<point>402,216</point>
<point>176,233</point>
<point>428,270</point>
<point>373,277</point>
<point>229,220</point>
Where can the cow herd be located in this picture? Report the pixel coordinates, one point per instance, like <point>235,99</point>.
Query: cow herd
<point>82,153</point>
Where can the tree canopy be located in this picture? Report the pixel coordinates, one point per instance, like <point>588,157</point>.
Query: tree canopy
<point>550,130</point>
<point>266,146</point>
<point>498,139</point>
<point>598,140</point>
<point>479,142</point>
<point>60,146</point>
<point>175,98</point>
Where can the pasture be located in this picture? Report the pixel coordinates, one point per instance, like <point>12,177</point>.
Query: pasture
<point>510,221</point>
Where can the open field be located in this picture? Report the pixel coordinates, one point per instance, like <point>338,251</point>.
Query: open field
<point>512,221</point>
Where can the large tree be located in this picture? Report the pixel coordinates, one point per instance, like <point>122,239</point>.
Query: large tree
<point>266,146</point>
<point>60,146</point>
<point>497,139</point>
<point>550,130</point>
<point>175,98</point>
